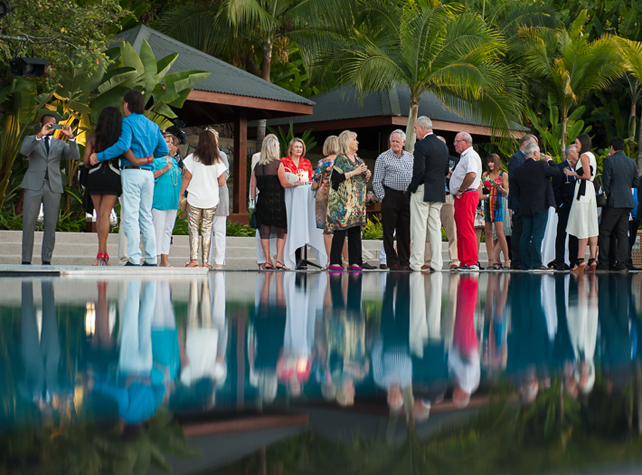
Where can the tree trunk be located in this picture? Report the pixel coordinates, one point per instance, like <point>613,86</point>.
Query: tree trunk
<point>410,128</point>
<point>563,138</point>
<point>640,149</point>
<point>265,74</point>
<point>632,117</point>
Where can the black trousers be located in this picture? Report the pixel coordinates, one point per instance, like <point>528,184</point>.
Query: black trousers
<point>354,245</point>
<point>560,238</point>
<point>633,232</point>
<point>395,214</point>
<point>614,221</point>
<point>516,257</point>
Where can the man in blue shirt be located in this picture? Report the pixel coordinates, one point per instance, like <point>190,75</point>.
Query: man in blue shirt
<point>145,139</point>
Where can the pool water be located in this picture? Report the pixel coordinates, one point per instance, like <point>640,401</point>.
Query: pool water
<point>309,372</point>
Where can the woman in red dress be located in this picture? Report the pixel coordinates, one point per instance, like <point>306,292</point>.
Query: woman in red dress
<point>295,163</point>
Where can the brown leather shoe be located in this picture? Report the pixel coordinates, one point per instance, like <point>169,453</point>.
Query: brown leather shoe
<point>383,266</point>
<point>425,267</point>
<point>453,267</point>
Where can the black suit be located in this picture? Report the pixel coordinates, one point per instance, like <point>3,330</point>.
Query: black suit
<point>619,175</point>
<point>429,168</point>
<point>534,192</point>
<point>564,190</point>
<point>514,162</point>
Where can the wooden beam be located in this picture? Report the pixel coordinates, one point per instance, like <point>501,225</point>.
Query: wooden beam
<point>239,200</point>
<point>250,102</point>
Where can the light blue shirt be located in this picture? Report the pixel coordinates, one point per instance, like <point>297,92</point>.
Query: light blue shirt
<point>140,134</point>
<point>167,187</point>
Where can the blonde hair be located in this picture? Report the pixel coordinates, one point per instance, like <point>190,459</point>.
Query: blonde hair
<point>344,141</point>
<point>331,145</point>
<point>291,144</point>
<point>270,151</point>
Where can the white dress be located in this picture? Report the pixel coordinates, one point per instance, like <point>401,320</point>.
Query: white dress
<point>582,220</point>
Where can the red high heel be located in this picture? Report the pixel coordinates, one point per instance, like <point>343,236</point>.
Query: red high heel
<point>105,259</point>
<point>99,259</point>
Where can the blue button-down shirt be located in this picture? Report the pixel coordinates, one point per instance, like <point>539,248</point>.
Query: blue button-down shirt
<point>140,134</point>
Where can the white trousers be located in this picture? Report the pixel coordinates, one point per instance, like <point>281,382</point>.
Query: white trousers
<point>424,218</point>
<point>164,226</point>
<point>219,231</point>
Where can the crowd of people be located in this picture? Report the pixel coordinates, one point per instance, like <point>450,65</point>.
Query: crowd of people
<point>545,210</point>
<point>131,160</point>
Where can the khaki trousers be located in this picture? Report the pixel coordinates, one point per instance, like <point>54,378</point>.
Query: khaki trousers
<point>447,215</point>
<point>424,221</point>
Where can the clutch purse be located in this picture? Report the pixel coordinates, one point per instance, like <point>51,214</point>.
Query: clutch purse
<point>182,203</point>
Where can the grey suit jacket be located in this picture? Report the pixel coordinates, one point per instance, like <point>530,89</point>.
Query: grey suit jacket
<point>619,175</point>
<point>40,163</point>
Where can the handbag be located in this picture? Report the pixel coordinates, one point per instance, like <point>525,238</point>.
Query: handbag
<point>254,221</point>
<point>600,198</point>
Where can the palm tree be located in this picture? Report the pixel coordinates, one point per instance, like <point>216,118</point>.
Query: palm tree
<point>631,54</point>
<point>233,29</point>
<point>424,46</point>
<point>568,65</point>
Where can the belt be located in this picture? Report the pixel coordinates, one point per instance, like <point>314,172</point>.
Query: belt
<point>132,167</point>
<point>469,189</point>
<point>387,188</point>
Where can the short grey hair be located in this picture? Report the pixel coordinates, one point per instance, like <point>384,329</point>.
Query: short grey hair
<point>530,149</point>
<point>466,136</point>
<point>344,141</point>
<point>401,133</point>
<point>331,145</point>
<point>424,122</point>
<point>526,138</point>
<point>569,148</point>
<point>442,139</point>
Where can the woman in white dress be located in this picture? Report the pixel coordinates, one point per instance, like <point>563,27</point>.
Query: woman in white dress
<point>582,220</point>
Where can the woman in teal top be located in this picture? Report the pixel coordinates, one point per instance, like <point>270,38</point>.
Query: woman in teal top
<point>167,186</point>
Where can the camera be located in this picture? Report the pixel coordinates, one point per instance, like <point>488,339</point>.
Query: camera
<point>28,67</point>
<point>56,126</point>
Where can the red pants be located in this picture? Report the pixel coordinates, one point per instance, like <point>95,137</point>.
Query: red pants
<point>464,336</point>
<point>465,221</point>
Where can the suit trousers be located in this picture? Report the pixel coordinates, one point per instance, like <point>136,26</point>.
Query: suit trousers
<point>137,199</point>
<point>614,220</point>
<point>354,245</point>
<point>516,238</point>
<point>447,215</point>
<point>31,208</point>
<point>424,219</point>
<point>560,238</point>
<point>395,215</point>
<point>465,206</point>
<point>530,248</point>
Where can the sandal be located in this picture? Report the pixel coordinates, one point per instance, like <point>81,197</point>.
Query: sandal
<point>105,259</point>
<point>579,265</point>
<point>497,266</point>
<point>591,266</point>
<point>99,259</point>
<point>280,266</point>
<point>507,266</point>
<point>192,263</point>
<point>206,265</point>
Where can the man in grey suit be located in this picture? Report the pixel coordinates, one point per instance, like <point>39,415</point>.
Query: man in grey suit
<point>619,175</point>
<point>43,184</point>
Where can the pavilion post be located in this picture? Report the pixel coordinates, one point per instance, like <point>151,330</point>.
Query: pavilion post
<point>239,199</point>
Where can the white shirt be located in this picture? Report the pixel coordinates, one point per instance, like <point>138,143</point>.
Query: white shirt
<point>468,163</point>
<point>203,187</point>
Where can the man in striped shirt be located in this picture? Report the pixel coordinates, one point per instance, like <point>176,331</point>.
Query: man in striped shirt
<point>392,175</point>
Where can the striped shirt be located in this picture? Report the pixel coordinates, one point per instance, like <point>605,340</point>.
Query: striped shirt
<point>392,171</point>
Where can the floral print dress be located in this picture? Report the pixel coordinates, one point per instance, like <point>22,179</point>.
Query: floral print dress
<point>322,176</point>
<point>347,205</point>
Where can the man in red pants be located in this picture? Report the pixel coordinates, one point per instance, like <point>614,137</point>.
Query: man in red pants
<point>464,184</point>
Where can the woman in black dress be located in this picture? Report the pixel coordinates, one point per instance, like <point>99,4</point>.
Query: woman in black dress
<point>269,178</point>
<point>103,180</point>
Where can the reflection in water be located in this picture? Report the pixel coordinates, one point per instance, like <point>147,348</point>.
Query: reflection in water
<point>536,364</point>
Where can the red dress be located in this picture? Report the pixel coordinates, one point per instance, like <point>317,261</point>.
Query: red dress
<point>304,166</point>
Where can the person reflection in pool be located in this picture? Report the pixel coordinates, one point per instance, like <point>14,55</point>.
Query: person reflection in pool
<point>133,390</point>
<point>463,359</point>
<point>391,362</point>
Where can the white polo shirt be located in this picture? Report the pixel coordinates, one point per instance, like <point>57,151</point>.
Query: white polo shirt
<point>468,163</point>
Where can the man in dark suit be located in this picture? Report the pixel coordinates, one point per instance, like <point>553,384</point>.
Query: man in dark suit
<point>619,175</point>
<point>534,193</point>
<point>428,194</point>
<point>515,161</point>
<point>564,189</point>
<point>43,184</point>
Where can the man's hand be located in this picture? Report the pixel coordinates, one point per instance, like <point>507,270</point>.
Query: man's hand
<point>66,129</point>
<point>93,159</point>
<point>44,131</point>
